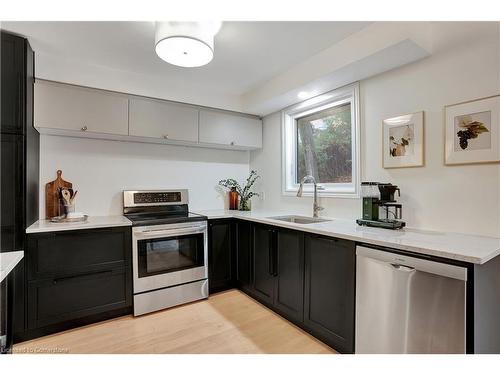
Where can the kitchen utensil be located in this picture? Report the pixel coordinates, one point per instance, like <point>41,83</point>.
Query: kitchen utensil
<point>53,205</point>
<point>73,197</point>
<point>66,195</point>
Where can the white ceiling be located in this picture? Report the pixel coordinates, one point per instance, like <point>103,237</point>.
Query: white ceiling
<point>259,67</point>
<point>247,54</point>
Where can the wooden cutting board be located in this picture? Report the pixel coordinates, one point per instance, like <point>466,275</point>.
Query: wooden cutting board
<point>54,205</point>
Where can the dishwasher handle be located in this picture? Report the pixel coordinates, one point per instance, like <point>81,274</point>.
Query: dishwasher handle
<point>410,263</point>
<point>402,267</point>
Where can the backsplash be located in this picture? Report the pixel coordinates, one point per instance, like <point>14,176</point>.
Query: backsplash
<point>100,170</point>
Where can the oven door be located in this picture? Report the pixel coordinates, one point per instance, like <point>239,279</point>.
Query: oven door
<point>168,255</point>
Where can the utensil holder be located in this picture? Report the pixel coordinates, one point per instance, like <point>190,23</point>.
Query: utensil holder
<point>68,208</point>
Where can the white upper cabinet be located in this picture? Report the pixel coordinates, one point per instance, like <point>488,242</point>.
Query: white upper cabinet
<point>225,129</point>
<point>159,119</point>
<point>73,108</point>
<point>75,111</point>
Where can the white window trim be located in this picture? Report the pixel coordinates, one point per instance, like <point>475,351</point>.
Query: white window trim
<point>333,98</point>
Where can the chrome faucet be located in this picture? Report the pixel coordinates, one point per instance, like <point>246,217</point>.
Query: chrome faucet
<point>316,206</point>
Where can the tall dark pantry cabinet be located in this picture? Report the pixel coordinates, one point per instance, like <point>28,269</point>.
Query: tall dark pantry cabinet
<point>19,160</point>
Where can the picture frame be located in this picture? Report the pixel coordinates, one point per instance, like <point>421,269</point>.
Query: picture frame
<point>403,141</point>
<point>472,131</point>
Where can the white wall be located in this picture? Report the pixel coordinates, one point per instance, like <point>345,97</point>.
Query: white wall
<point>101,169</point>
<point>465,65</point>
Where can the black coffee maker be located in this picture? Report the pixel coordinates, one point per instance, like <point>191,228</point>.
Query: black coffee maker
<point>378,196</point>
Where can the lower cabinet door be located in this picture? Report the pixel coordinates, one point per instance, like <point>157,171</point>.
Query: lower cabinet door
<point>289,284</point>
<point>244,255</point>
<point>220,255</point>
<point>263,281</point>
<point>53,301</point>
<point>330,291</point>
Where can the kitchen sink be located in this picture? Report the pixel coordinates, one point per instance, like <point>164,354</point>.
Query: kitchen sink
<point>299,219</point>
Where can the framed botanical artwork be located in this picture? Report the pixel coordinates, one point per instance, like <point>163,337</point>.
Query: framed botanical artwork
<point>403,141</point>
<point>472,133</point>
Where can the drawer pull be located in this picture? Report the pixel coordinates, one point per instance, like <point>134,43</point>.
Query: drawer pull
<point>59,279</point>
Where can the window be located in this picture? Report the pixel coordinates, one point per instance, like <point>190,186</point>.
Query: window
<point>320,138</point>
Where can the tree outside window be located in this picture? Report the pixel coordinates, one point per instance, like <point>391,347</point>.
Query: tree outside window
<point>324,148</point>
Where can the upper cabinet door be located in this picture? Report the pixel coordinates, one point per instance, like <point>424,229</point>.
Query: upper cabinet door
<point>157,119</point>
<point>13,71</point>
<point>230,129</point>
<point>67,107</point>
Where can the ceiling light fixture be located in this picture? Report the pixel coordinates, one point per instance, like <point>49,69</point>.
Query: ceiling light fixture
<point>187,44</point>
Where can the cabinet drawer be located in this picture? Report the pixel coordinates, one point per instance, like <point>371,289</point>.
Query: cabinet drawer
<point>67,253</point>
<point>67,298</point>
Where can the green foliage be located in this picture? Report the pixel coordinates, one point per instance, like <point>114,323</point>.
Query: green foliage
<point>245,193</point>
<point>332,146</point>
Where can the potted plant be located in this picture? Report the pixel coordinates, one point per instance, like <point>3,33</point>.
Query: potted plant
<point>245,193</point>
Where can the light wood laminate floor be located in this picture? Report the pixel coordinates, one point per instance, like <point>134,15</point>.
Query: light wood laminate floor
<point>228,322</point>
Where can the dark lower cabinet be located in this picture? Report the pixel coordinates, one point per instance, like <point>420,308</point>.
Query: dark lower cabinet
<point>64,253</point>
<point>329,294</point>
<point>65,299</point>
<point>76,277</point>
<point>289,285</point>
<point>221,257</point>
<point>244,255</point>
<point>279,270</point>
<point>263,255</point>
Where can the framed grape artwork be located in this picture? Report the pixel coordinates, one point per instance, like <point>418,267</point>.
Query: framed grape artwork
<point>472,133</point>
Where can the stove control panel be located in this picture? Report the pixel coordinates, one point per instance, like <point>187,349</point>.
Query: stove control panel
<point>172,197</point>
<point>140,198</point>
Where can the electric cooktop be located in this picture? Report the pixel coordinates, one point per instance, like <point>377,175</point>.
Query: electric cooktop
<point>158,207</point>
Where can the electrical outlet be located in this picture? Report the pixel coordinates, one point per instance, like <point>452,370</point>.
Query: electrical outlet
<point>262,195</point>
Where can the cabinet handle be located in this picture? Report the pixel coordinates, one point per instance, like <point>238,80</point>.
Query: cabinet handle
<point>275,253</point>
<point>59,279</point>
<point>270,253</point>
<point>19,102</point>
<point>84,128</point>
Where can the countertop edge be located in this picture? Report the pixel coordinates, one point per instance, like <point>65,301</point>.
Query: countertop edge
<point>14,258</point>
<point>409,248</point>
<point>44,226</point>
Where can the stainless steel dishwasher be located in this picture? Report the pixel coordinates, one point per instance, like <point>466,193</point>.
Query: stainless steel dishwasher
<point>408,305</point>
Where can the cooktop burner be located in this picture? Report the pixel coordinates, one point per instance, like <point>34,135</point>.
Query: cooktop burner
<point>156,207</point>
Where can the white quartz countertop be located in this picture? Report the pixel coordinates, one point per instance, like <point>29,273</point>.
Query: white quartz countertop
<point>8,261</point>
<point>462,247</point>
<point>92,222</point>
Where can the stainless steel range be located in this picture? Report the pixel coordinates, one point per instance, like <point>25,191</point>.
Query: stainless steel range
<point>169,249</point>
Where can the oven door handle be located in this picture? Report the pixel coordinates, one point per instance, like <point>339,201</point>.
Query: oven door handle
<point>169,232</point>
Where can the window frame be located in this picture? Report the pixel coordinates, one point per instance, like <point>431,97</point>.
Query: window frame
<point>343,95</point>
